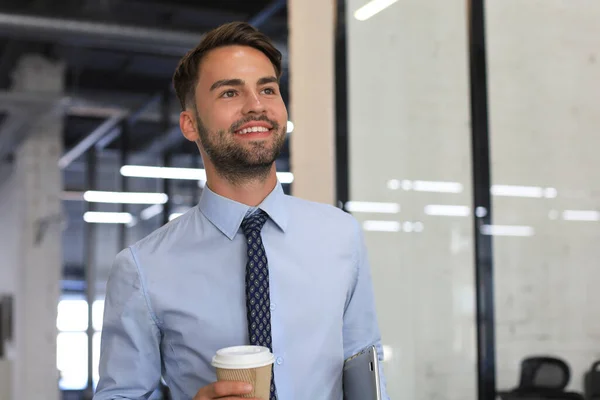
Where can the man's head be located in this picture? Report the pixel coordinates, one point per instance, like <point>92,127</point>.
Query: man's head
<point>228,87</point>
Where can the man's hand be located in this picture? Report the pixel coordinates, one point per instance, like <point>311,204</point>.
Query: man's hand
<point>224,390</point>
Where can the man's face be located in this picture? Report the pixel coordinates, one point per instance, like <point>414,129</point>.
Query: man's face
<point>240,115</point>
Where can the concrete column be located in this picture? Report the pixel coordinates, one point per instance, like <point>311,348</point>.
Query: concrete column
<point>312,98</point>
<point>39,228</point>
<point>9,255</point>
<point>5,380</point>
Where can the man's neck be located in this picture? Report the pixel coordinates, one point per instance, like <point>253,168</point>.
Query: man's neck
<point>251,192</point>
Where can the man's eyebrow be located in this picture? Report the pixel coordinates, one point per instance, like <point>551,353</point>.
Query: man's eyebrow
<point>267,79</point>
<point>226,82</point>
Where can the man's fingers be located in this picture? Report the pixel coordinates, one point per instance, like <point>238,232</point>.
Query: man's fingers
<point>229,388</point>
<point>236,398</point>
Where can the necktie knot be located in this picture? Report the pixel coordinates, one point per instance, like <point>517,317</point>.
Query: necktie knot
<point>253,224</point>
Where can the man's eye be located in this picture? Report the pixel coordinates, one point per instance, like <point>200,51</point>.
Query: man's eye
<point>269,91</point>
<point>229,93</point>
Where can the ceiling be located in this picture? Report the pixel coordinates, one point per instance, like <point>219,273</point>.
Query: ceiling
<point>120,56</point>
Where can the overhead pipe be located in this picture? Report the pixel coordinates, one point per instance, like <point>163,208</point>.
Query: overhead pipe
<point>98,34</point>
<point>105,133</point>
<point>101,34</point>
<point>263,16</point>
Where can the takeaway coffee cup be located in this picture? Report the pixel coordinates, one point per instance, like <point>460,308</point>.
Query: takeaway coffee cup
<point>252,364</point>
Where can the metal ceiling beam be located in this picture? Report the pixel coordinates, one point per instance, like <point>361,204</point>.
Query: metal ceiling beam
<point>165,142</point>
<point>17,101</point>
<point>90,140</point>
<point>104,134</point>
<point>100,111</point>
<point>170,137</point>
<point>265,14</point>
<point>99,34</point>
<point>131,120</point>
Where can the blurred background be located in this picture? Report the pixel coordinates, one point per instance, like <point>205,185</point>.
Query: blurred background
<point>461,134</point>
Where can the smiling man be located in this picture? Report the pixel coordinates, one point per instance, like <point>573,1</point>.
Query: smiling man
<point>248,264</point>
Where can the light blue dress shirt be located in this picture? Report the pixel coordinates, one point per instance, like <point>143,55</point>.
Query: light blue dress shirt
<point>177,296</point>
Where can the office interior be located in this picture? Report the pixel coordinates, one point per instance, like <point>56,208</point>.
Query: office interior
<point>460,134</point>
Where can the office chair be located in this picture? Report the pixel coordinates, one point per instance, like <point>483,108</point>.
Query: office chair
<point>556,396</point>
<point>592,382</point>
<point>542,378</point>
<point>544,373</point>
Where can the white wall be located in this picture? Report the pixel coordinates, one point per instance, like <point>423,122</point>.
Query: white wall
<point>544,70</point>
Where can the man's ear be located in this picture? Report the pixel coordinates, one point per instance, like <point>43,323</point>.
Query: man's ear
<point>188,126</point>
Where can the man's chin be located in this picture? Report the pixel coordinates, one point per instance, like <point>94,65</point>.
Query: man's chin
<point>258,163</point>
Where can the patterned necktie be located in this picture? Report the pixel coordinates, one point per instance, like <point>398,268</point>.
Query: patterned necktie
<point>258,301</point>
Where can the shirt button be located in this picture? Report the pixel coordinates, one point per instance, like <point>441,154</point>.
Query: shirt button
<point>273,306</point>
<point>279,361</point>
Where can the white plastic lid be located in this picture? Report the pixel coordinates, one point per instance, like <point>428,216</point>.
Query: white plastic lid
<point>241,357</point>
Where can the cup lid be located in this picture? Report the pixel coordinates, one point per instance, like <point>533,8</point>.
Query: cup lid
<point>242,357</point>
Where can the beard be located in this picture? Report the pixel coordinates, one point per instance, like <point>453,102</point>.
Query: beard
<point>238,163</point>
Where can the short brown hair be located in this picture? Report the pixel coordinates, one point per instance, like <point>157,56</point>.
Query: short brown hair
<point>233,33</point>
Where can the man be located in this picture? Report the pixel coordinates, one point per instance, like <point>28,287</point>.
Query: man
<point>249,264</point>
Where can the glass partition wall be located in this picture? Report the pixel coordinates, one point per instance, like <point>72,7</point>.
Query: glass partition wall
<point>411,170</point>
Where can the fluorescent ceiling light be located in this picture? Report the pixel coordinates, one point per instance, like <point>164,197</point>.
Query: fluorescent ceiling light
<point>388,353</point>
<point>456,187</point>
<point>447,211</point>
<point>481,212</point>
<point>523,191</point>
<point>125,197</point>
<point>425,186</point>
<point>382,226</point>
<point>141,171</point>
<point>290,127</point>
<point>439,187</point>
<point>151,212</point>
<point>393,184</point>
<point>193,174</point>
<point>371,8</point>
<point>372,207</point>
<point>96,217</point>
<point>516,191</point>
<point>507,230</point>
<point>174,215</point>
<point>581,215</point>
<point>285,177</point>
<point>550,193</point>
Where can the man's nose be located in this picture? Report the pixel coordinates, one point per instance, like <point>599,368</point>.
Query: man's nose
<point>254,104</point>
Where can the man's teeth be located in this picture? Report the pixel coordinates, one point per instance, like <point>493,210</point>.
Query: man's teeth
<point>253,129</point>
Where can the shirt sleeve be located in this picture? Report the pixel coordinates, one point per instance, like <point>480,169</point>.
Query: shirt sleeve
<point>130,365</point>
<point>361,328</point>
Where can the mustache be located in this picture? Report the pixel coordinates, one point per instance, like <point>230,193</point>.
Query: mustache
<point>238,124</point>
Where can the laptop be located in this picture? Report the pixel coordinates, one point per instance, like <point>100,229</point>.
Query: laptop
<point>361,376</point>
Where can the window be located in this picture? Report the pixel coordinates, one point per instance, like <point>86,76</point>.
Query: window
<point>72,341</point>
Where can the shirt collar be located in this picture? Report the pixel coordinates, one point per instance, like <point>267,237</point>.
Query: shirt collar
<point>227,215</point>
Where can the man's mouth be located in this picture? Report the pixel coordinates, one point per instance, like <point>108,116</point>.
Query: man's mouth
<point>253,129</point>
